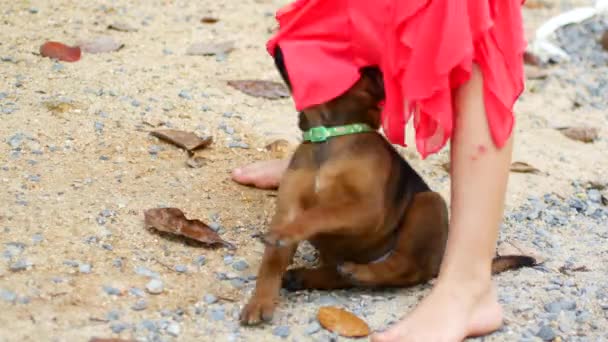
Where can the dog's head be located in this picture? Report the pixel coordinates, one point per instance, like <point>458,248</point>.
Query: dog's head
<point>359,104</point>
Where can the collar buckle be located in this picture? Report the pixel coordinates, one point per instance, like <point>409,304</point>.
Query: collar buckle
<point>318,134</point>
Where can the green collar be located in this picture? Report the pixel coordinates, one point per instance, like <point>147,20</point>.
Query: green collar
<point>322,133</point>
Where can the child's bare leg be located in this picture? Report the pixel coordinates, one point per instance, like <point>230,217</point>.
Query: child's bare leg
<point>464,301</point>
<point>263,175</point>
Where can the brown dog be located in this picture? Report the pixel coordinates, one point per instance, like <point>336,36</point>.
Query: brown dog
<point>373,219</point>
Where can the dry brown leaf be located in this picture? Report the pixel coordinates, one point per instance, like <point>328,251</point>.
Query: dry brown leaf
<point>122,27</point>
<point>210,49</point>
<point>516,248</point>
<point>604,40</point>
<point>446,167</point>
<point>173,220</point>
<point>258,88</point>
<point>583,133</point>
<point>209,20</point>
<point>342,322</point>
<point>186,140</point>
<point>531,59</point>
<point>522,167</point>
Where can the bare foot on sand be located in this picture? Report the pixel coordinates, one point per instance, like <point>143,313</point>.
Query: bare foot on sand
<point>450,313</point>
<point>263,175</point>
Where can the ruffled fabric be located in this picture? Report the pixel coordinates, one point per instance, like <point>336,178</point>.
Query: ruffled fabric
<point>425,49</point>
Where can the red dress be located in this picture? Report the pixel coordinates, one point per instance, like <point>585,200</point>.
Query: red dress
<point>425,49</point>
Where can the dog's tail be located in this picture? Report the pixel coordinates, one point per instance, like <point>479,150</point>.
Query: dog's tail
<point>511,262</point>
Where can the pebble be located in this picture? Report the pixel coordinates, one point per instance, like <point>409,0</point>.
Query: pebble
<point>24,300</point>
<point>139,305</point>
<point>37,238</point>
<point>281,331</point>
<point>146,272</point>
<point>16,140</point>
<point>20,265</point>
<point>57,67</point>
<point>240,265</point>
<point>84,268</point>
<point>200,260</point>
<point>107,247</point>
<point>560,305</point>
<point>215,226</point>
<point>113,315</point>
<point>312,328</point>
<point>594,196</point>
<point>217,314</point>
<point>137,292</point>
<point>181,268</point>
<point>184,94</point>
<point>309,257</point>
<point>228,259</point>
<point>3,95</point>
<point>155,286</point>
<point>210,299</point>
<point>546,333</point>
<point>117,262</point>
<point>98,127</point>
<point>112,291</point>
<point>149,325</point>
<point>237,282</point>
<point>8,296</point>
<point>238,144</point>
<point>118,327</point>
<point>154,149</point>
<point>173,329</point>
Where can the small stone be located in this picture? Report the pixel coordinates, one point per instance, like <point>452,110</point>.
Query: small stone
<point>84,268</point>
<point>560,305</point>
<point>98,127</point>
<point>217,314</point>
<point>155,286</point>
<point>200,260</point>
<point>20,265</point>
<point>33,10</point>
<point>240,265</point>
<point>215,226</point>
<point>113,315</point>
<point>16,140</point>
<point>24,300</point>
<point>154,149</point>
<point>149,325</point>
<point>546,333</point>
<point>181,268</point>
<point>594,196</point>
<point>8,296</point>
<point>117,262</point>
<point>139,305</point>
<point>37,238</point>
<point>228,259</point>
<point>146,272</point>
<point>309,257</point>
<point>184,94</point>
<point>165,312</point>
<point>137,292</point>
<point>312,328</point>
<point>583,317</point>
<point>238,144</point>
<point>112,291</point>
<point>237,282</point>
<point>107,246</point>
<point>281,331</point>
<point>210,299</point>
<point>173,329</point>
<point>118,327</point>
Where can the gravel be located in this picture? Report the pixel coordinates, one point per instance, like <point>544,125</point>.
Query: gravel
<point>312,328</point>
<point>546,333</point>
<point>118,327</point>
<point>8,296</point>
<point>240,265</point>
<point>174,329</point>
<point>84,268</point>
<point>109,290</point>
<point>140,304</point>
<point>210,299</point>
<point>181,268</point>
<point>155,286</point>
<point>281,331</point>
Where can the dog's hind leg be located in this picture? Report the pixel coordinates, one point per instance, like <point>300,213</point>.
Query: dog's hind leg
<point>418,252</point>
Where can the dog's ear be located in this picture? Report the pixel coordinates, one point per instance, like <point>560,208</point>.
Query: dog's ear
<point>279,62</point>
<point>376,84</point>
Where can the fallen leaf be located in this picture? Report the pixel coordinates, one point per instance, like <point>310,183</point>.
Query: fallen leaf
<point>258,88</point>
<point>516,248</point>
<point>210,49</point>
<point>604,40</point>
<point>173,220</point>
<point>522,167</point>
<point>531,59</point>
<point>196,162</point>
<point>122,27</point>
<point>59,106</point>
<point>446,167</point>
<point>582,133</point>
<point>100,44</point>
<point>568,269</point>
<point>278,148</point>
<point>60,51</point>
<point>186,140</point>
<point>209,20</point>
<point>342,322</point>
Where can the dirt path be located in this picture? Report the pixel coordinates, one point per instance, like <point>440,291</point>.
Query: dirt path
<point>76,178</point>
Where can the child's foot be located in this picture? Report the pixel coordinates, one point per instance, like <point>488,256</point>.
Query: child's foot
<point>263,175</point>
<point>451,312</point>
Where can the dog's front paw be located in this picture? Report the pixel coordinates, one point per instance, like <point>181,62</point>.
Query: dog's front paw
<point>355,273</point>
<point>257,311</point>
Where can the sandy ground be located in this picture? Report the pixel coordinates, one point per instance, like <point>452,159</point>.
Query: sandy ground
<point>75,184</point>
